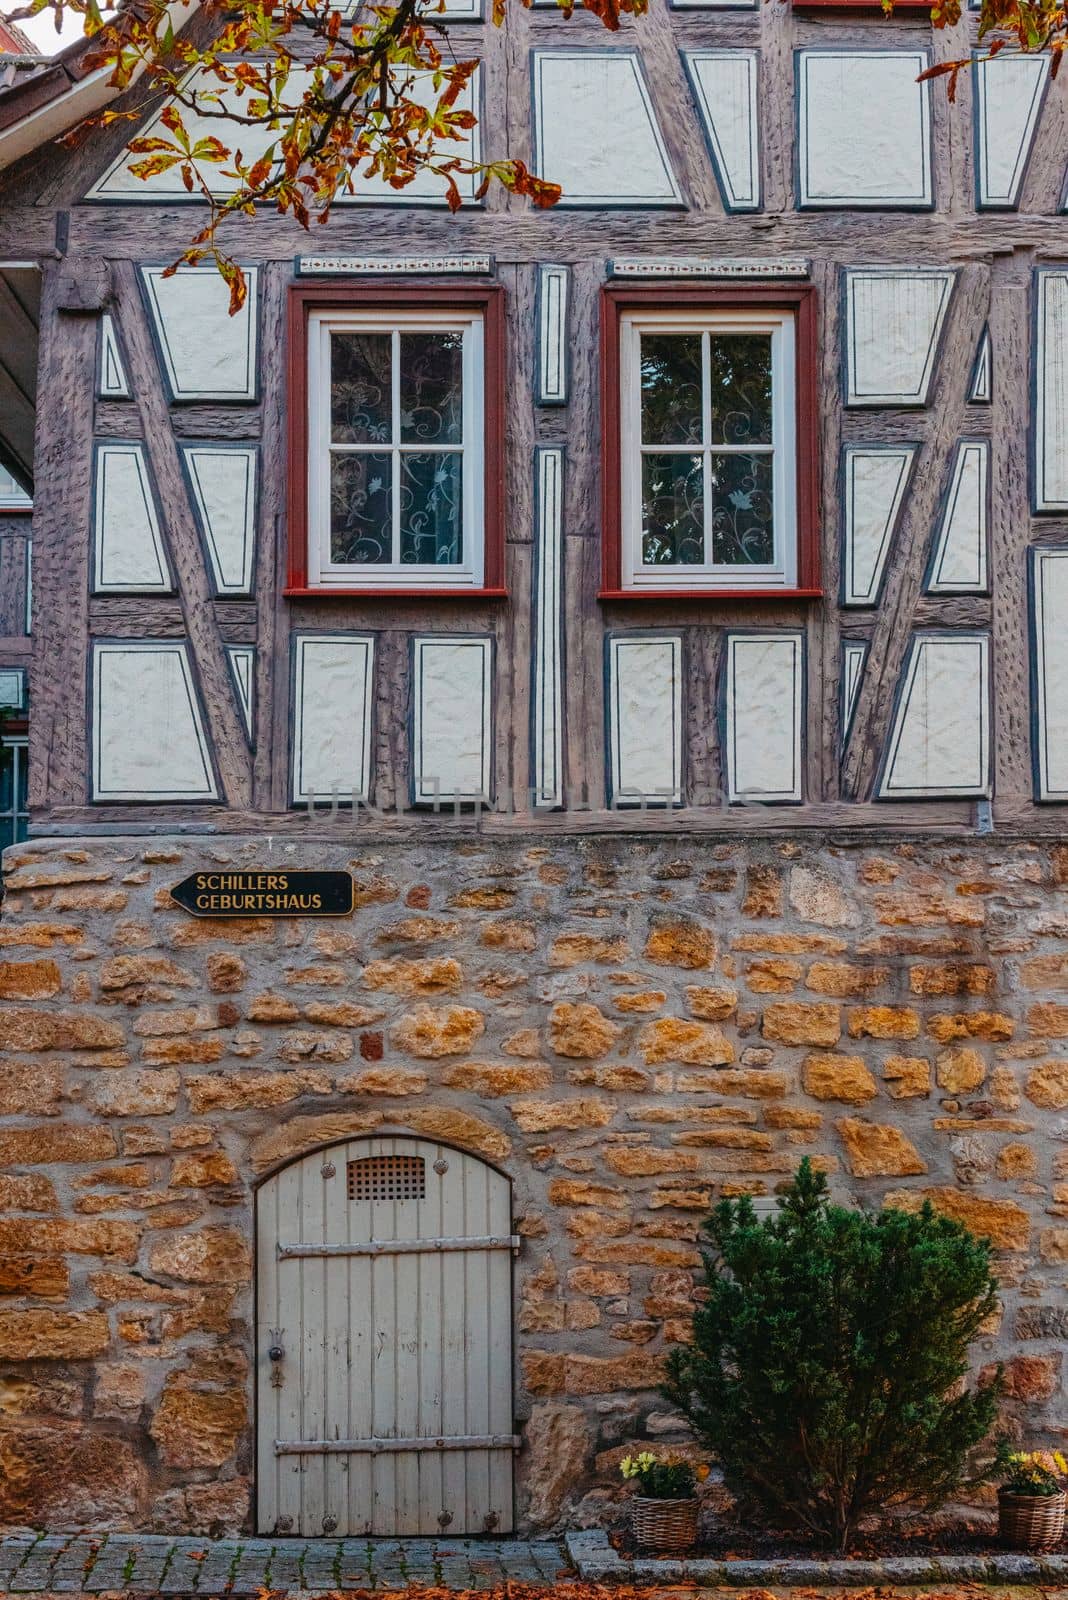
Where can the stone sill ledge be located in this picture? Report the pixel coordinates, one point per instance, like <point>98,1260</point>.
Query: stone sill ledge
<point>597,1562</point>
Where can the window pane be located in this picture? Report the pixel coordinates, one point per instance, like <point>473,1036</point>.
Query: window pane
<point>742,521</point>
<point>740,399</point>
<point>7,835</point>
<point>671,388</point>
<point>672,511</point>
<point>360,393</point>
<point>7,774</point>
<point>361,508</point>
<point>431,388</point>
<point>431,505</point>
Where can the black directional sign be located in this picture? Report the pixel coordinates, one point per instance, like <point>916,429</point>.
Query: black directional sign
<point>268,893</point>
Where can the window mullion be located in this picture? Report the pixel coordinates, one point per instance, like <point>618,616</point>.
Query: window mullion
<point>706,451</point>
<point>395,454</point>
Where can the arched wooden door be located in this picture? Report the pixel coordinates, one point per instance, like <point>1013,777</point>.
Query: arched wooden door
<point>384,1342</point>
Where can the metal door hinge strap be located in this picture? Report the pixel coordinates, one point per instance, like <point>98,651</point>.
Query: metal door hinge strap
<point>399,1247</point>
<point>374,1447</point>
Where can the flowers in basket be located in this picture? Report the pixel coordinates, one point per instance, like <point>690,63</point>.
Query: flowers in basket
<point>662,1477</point>
<point>1032,1472</point>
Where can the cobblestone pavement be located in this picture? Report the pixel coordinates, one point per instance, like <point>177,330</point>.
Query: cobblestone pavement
<point>85,1563</point>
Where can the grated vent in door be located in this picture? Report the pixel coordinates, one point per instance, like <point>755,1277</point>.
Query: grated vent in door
<point>388,1178</point>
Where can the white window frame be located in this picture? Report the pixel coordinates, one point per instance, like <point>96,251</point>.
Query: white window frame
<point>323,572</point>
<point>781,573</point>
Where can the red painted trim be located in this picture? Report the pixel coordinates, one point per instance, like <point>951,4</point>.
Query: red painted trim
<point>397,594</point>
<point>800,298</point>
<point>443,296</point>
<point>709,594</point>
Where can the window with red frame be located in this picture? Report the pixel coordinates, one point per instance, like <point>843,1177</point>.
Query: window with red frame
<point>710,441</point>
<point>397,417</point>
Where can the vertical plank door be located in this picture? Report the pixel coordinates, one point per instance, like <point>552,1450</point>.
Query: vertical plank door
<point>384,1319</point>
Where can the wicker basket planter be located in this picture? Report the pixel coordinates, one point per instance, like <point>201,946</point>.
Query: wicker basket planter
<point>663,1524</point>
<point>1031,1521</point>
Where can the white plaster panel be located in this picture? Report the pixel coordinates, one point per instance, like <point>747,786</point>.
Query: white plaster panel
<point>128,552</point>
<point>1049,577</point>
<point>113,384</point>
<point>982,384</point>
<point>13,496</point>
<point>548,667</point>
<point>894,321</point>
<point>1008,95</point>
<point>553,285</point>
<point>427,187</point>
<point>596,132</point>
<point>452,725</point>
<point>207,354</point>
<point>864,128</point>
<point>1051,391</point>
<point>333,682</point>
<point>959,563</point>
<point>242,659</point>
<point>223,481</point>
<point>875,480</point>
<point>764,706</point>
<point>940,738</point>
<point>725,87</point>
<point>148,732</point>
<point>645,719</point>
<point>13,688</point>
<point>854,655</point>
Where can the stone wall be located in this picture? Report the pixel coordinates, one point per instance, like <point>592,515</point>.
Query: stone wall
<point>631,1028</point>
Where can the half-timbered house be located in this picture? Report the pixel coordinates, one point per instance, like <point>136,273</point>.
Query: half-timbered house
<point>658,608</point>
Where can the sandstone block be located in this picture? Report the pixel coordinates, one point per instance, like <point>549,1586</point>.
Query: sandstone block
<point>946,1026</point>
<point>763,891</point>
<point>305,1133</point>
<point>906,1076</point>
<point>1049,1019</point>
<point>817,897</point>
<point>131,1093</point>
<point>195,1428</point>
<point>448,1031</point>
<point>29,980</point>
<point>1003,1222</point>
<point>790,1117</point>
<point>524,1042</point>
<point>1047,1085</point>
<point>951,977</point>
<point>40,935</point>
<point>710,1005</point>
<point>44,1277</point>
<point>129,972</point>
<point>214,1255</point>
<point>802,1022</point>
<point>723,1139</point>
<point>418,930</point>
<point>394,1081</point>
<point>234,1091</point>
<point>959,1071</point>
<point>1053,1245</point>
<point>309,1045</point>
<point>40,1335</point>
<point>876,1150</point>
<point>616,1080</point>
<point>543,1116</point>
<point>643,1161</point>
<point>844,979</point>
<point>203,1170</point>
<point>830,1077</point>
<point>184,1019</point>
<point>883,1022</point>
<point>70,1235</point>
<point>772,975</point>
<point>750,1083</point>
<point>222,930</point>
<point>677,943</point>
<point>570,949</point>
<point>492,1079</point>
<point>578,1192</point>
<point>29,1191</point>
<point>598,1281</point>
<point>694,1044</point>
<point>30,1089</point>
<point>509,933</point>
<point>227,973</point>
<point>272,1008</point>
<point>581,1031</point>
<point>436,975</point>
<point>1016,1161</point>
<point>1027,1378</point>
<point>341,1014</point>
<point>41,1146</point>
<point>23,1028</point>
<point>459,1128</point>
<point>1045,972</point>
<point>62,1476</point>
